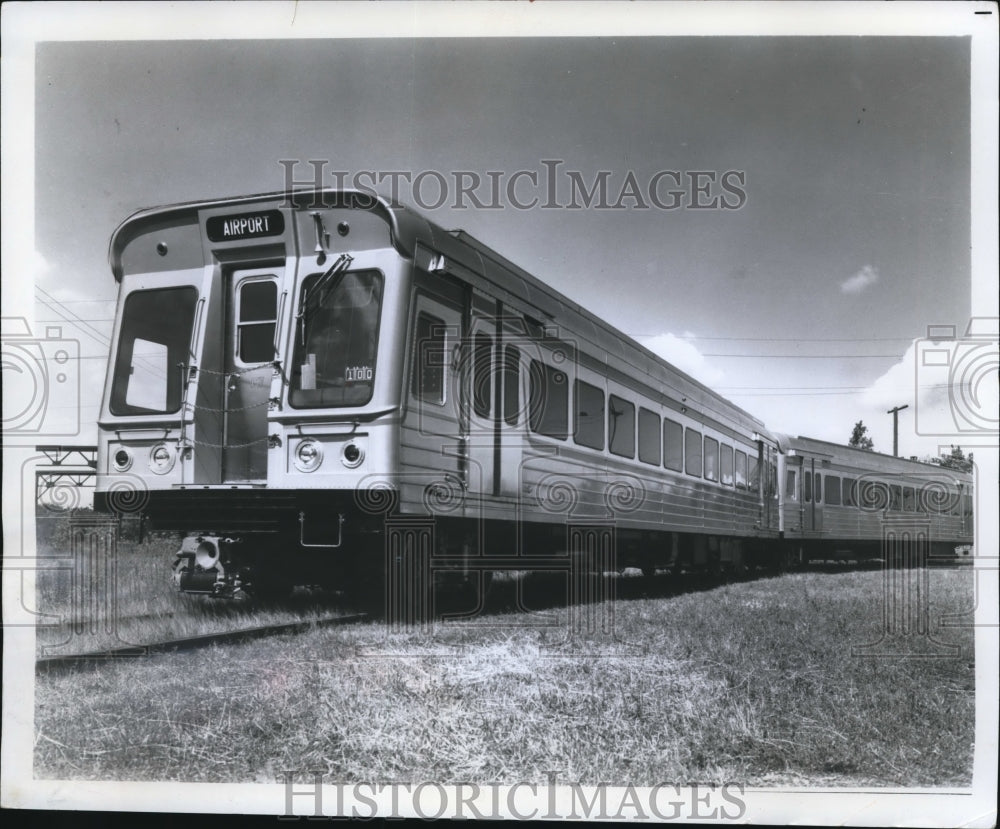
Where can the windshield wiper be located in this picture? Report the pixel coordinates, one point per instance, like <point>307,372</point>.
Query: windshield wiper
<point>324,284</point>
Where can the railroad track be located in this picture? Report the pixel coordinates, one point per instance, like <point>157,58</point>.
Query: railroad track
<point>61,662</point>
<point>46,664</point>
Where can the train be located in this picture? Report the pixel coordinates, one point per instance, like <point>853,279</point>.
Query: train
<point>320,386</point>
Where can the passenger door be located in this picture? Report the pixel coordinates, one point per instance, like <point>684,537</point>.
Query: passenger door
<point>432,422</point>
<point>791,494</point>
<point>480,405</point>
<point>812,495</point>
<point>511,352</point>
<point>252,314</point>
<point>494,402</point>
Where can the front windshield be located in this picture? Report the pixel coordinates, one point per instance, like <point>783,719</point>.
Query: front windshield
<point>152,349</point>
<point>334,362</point>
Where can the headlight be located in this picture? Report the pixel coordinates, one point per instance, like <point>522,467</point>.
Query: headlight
<point>161,459</point>
<point>308,456</point>
<point>207,555</point>
<point>122,460</point>
<point>352,455</point>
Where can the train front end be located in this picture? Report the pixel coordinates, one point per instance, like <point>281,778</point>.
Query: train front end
<point>254,384</point>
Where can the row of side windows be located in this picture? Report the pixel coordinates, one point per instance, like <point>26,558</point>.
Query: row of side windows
<point>596,418</point>
<point>628,431</point>
<point>878,495</point>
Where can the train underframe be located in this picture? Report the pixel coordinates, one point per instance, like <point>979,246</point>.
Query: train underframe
<point>261,544</point>
<point>911,554</point>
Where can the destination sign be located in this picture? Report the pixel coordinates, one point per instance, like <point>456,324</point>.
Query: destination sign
<point>245,226</point>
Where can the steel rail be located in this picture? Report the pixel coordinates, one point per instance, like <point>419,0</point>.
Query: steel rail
<point>46,664</point>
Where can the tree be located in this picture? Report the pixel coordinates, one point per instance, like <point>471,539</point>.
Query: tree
<point>859,437</point>
<point>957,460</point>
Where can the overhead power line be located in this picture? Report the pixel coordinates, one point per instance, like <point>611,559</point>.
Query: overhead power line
<point>808,356</point>
<point>79,319</point>
<point>84,301</point>
<point>783,339</point>
<point>69,316</point>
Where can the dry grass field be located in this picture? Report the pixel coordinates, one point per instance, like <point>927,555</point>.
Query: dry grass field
<point>758,682</point>
<point>102,601</point>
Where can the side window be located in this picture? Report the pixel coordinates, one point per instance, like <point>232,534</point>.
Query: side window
<point>673,445</point>
<point>482,375</point>
<point>649,436</point>
<point>850,484</point>
<point>621,427</point>
<point>549,400</point>
<point>741,469</point>
<point>711,459</point>
<point>255,323</point>
<point>896,497</point>
<point>790,492</point>
<point>833,490</point>
<point>511,384</point>
<point>692,451</point>
<point>956,502</point>
<point>753,472</point>
<point>427,382</point>
<point>726,464</point>
<point>872,495</point>
<point>588,416</point>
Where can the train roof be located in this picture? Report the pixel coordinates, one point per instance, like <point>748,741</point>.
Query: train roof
<point>865,457</point>
<point>409,229</point>
<point>607,336</point>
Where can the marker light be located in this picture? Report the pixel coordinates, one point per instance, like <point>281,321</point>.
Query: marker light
<point>122,460</point>
<point>352,455</point>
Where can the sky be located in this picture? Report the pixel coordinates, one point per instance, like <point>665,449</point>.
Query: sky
<point>805,304</point>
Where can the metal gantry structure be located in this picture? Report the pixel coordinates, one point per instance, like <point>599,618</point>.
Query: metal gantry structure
<point>66,466</point>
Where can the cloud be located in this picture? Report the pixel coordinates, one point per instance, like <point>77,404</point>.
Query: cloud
<point>861,281</point>
<point>932,421</point>
<point>41,265</point>
<point>682,354</point>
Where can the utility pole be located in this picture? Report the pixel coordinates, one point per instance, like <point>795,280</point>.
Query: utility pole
<point>895,428</point>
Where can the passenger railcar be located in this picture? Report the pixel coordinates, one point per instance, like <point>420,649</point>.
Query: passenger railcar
<point>840,502</point>
<point>314,386</point>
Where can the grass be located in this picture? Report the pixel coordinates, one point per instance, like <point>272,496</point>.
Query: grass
<point>112,598</point>
<point>753,682</point>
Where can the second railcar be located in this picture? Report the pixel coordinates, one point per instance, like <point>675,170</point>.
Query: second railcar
<point>840,502</point>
